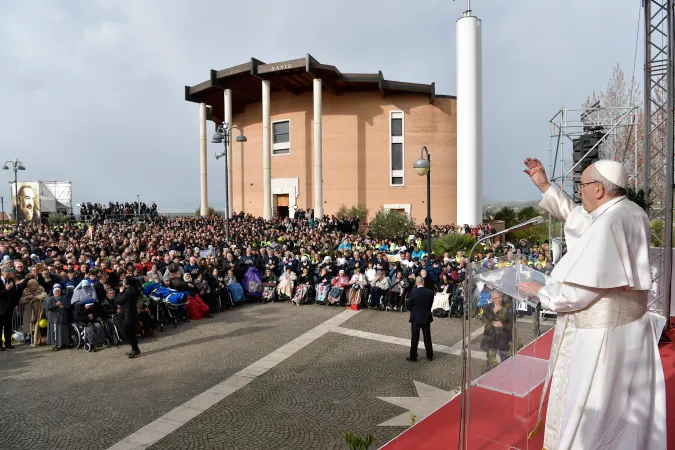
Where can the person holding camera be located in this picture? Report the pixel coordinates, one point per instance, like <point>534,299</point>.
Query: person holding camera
<point>128,312</point>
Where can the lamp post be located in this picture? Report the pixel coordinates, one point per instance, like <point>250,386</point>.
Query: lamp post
<point>223,135</point>
<point>138,204</point>
<point>16,165</point>
<point>423,167</point>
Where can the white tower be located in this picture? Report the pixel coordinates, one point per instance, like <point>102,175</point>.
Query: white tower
<point>469,120</point>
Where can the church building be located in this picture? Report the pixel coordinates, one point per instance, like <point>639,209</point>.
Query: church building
<point>317,138</point>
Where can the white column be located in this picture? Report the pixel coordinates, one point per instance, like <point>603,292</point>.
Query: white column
<point>227,102</point>
<point>469,121</point>
<point>267,154</point>
<point>203,182</point>
<point>318,156</point>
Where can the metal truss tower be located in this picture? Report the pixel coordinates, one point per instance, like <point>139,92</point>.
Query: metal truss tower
<point>658,145</point>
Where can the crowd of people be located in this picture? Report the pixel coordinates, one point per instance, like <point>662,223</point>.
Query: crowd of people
<point>303,260</point>
<point>115,210</point>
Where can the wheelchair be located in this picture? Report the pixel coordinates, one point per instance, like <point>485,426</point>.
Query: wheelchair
<point>78,335</point>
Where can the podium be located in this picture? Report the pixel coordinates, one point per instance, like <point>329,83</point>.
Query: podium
<point>505,365</point>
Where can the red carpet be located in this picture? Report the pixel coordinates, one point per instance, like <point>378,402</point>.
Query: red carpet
<point>501,421</point>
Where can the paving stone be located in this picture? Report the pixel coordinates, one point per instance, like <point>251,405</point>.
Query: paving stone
<point>310,399</point>
<point>446,331</point>
<point>76,400</point>
<point>305,400</point>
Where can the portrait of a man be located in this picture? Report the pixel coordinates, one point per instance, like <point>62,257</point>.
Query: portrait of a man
<point>28,203</point>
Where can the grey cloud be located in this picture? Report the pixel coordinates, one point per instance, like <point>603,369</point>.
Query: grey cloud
<point>92,92</point>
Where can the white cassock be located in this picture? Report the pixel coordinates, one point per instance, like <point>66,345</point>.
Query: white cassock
<point>607,388</point>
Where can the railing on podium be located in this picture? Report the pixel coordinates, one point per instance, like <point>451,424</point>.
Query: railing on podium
<point>503,366</point>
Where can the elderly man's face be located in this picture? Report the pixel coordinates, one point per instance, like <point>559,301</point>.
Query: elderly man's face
<point>592,192</point>
<point>26,202</point>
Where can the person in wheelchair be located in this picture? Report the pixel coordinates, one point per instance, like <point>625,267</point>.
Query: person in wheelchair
<point>397,292</point>
<point>88,311</point>
<point>339,283</point>
<point>286,284</point>
<point>378,287</point>
<point>269,282</point>
<point>304,287</point>
<point>322,285</point>
<point>357,287</point>
<point>108,302</point>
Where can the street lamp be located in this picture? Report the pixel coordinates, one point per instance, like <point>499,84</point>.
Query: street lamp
<point>423,167</point>
<point>223,135</point>
<point>16,165</point>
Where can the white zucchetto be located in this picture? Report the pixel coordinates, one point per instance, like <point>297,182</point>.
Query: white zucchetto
<point>613,171</point>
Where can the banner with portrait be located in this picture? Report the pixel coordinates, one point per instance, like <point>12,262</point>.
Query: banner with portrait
<point>26,201</point>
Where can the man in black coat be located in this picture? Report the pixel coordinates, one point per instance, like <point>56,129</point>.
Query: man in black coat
<point>419,303</point>
<point>7,304</point>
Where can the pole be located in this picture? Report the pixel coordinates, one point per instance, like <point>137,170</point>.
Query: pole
<point>16,197</point>
<point>227,193</point>
<point>429,207</point>
<point>138,204</point>
<point>2,205</point>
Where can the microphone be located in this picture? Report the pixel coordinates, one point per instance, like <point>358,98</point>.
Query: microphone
<point>533,222</point>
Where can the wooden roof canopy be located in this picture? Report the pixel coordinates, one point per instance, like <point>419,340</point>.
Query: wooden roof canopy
<point>295,76</point>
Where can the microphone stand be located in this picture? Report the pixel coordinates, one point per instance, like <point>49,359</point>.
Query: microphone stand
<point>465,392</point>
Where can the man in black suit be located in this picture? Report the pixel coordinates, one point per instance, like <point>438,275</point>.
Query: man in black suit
<point>7,304</point>
<point>420,300</point>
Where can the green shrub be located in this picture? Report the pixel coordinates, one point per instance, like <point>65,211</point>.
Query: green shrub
<point>533,235</point>
<point>638,196</point>
<point>211,212</point>
<point>357,442</point>
<point>391,224</point>
<point>452,243</point>
<point>342,212</point>
<point>57,219</point>
<point>658,227</point>
<point>508,215</point>
<point>527,213</point>
<point>360,212</point>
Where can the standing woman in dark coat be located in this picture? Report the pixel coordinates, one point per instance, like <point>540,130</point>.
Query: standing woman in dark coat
<point>127,309</point>
<point>58,314</point>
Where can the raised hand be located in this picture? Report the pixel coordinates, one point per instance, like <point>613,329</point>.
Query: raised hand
<point>535,170</point>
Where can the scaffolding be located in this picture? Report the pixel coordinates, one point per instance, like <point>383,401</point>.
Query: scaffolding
<point>658,147</point>
<point>618,141</point>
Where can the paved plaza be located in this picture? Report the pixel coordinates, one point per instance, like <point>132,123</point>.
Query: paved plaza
<point>256,377</point>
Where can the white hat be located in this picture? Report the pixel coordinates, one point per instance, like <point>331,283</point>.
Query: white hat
<point>613,171</point>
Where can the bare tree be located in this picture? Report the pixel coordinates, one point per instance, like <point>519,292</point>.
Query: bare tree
<point>614,103</point>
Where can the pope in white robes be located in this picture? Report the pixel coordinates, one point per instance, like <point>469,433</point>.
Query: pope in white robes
<point>607,388</point>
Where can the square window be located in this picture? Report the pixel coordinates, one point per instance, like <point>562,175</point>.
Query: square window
<point>397,127</point>
<point>281,138</point>
<point>396,156</point>
<point>397,180</point>
<point>281,132</point>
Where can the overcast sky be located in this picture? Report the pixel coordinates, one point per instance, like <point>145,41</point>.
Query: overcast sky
<point>91,91</point>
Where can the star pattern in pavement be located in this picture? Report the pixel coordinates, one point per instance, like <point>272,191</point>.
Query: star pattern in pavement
<point>428,400</point>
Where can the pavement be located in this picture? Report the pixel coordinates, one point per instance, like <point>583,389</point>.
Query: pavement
<point>270,376</point>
